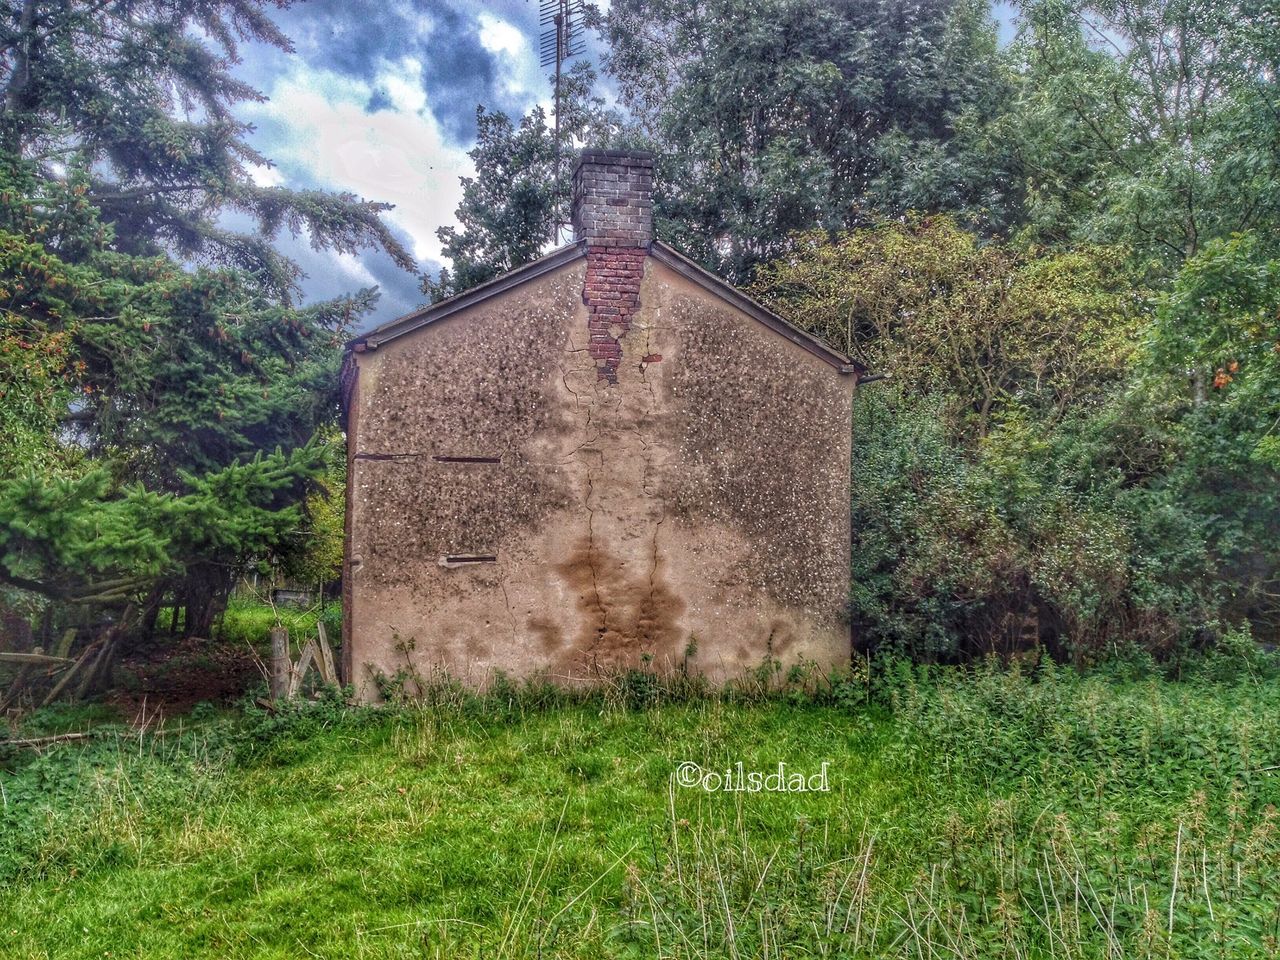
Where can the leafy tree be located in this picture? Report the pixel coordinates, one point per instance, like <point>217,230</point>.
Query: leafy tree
<point>1034,471</point>
<point>161,386</point>
<point>984,329</point>
<point>34,392</point>
<point>81,539</point>
<point>1151,123</point>
<point>168,386</point>
<point>1220,315</point>
<point>74,538</point>
<point>1073,535</point>
<point>512,207</point>
<point>787,115</point>
<point>322,533</point>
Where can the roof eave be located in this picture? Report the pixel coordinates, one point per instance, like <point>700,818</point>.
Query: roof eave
<point>727,291</point>
<point>393,329</point>
<point>557,258</point>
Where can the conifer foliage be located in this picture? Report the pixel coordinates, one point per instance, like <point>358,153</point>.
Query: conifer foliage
<point>160,386</point>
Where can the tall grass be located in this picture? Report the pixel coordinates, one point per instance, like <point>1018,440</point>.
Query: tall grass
<point>1004,878</point>
<point>1058,816</point>
<point>985,813</point>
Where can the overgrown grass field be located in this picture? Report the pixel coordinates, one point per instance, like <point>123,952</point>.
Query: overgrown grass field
<point>988,813</point>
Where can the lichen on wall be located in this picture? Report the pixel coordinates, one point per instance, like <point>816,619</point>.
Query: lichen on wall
<point>475,386</point>
<point>696,492</point>
<point>763,443</point>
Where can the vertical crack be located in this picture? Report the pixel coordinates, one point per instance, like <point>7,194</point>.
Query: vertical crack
<point>651,490</point>
<point>603,628</point>
<point>510,612</point>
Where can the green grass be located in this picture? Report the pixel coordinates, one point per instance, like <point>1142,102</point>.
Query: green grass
<point>249,620</point>
<point>985,814</point>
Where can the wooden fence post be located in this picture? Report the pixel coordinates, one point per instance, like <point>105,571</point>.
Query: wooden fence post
<point>329,673</point>
<point>281,666</point>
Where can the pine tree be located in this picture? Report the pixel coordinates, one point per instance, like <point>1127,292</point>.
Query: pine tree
<point>159,384</point>
<point>141,96</point>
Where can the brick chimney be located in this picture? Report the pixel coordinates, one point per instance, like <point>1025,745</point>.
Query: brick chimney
<point>613,198</point>
<point>613,212</point>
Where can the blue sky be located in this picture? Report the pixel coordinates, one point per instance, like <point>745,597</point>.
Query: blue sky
<point>380,101</point>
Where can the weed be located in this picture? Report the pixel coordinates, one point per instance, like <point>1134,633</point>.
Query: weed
<point>981,813</point>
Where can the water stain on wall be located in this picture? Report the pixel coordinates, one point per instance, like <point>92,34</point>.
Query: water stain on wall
<point>624,613</point>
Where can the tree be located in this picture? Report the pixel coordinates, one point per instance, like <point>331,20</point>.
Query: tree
<point>140,96</point>
<point>1220,316</point>
<point>322,533</point>
<point>161,385</point>
<point>1030,473</point>
<point>161,391</point>
<point>1150,123</point>
<point>789,115</point>
<point>512,208</point>
<point>983,329</point>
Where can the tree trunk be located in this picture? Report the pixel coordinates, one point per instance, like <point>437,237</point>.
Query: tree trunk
<point>20,77</point>
<point>204,592</point>
<point>151,613</point>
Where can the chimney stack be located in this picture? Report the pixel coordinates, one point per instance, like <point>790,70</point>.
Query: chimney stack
<point>613,198</point>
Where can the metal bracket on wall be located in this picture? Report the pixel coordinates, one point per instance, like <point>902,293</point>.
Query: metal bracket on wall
<point>467,559</point>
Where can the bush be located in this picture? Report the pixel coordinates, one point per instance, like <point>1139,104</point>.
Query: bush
<point>1042,535</point>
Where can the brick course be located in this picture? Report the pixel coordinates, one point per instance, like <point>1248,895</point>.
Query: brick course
<point>612,295</point>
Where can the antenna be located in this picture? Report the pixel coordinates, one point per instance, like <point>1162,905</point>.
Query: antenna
<point>563,37</point>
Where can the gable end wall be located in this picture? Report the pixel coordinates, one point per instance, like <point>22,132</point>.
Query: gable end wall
<point>687,509</point>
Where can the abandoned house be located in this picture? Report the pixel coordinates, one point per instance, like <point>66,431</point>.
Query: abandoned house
<point>604,459</point>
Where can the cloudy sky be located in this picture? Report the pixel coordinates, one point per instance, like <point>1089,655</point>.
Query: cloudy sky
<point>380,100</point>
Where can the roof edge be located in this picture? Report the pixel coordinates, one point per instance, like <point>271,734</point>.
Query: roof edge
<point>660,251</point>
<point>416,319</point>
<point>722,288</point>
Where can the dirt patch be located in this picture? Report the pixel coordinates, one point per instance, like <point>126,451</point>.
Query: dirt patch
<point>171,677</point>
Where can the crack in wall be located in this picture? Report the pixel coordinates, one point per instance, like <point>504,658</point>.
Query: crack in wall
<point>578,404</point>
<point>602,630</point>
<point>628,514</point>
<point>506,598</point>
<point>625,610</point>
<point>645,420</point>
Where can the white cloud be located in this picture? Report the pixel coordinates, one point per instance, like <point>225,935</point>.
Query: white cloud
<point>355,269</point>
<point>404,86</point>
<point>521,75</point>
<point>265,176</point>
<point>498,36</point>
<point>397,155</point>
